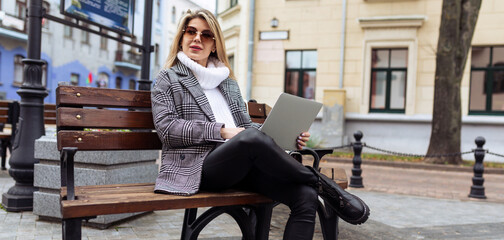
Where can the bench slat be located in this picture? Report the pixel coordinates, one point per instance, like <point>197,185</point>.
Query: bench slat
<point>102,97</point>
<point>50,107</point>
<point>128,198</point>
<point>101,118</point>
<point>4,103</point>
<point>49,114</point>
<point>110,199</point>
<point>103,140</point>
<point>50,121</point>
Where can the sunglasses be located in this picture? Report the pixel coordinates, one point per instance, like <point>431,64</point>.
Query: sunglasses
<point>205,36</point>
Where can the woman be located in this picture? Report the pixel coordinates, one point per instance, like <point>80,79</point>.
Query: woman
<point>197,105</point>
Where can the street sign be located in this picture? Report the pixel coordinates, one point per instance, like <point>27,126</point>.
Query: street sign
<point>116,15</point>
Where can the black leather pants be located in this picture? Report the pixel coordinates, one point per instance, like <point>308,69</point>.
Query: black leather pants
<point>252,161</point>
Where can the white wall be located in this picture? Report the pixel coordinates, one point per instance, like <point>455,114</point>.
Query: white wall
<point>411,134</point>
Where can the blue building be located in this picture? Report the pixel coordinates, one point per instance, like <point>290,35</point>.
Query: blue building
<point>78,57</point>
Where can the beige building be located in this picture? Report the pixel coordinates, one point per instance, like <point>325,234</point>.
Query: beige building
<point>374,58</point>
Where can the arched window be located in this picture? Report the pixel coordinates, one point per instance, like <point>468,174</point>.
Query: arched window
<point>173,15</point>
<point>19,71</point>
<point>103,79</point>
<point>132,84</point>
<point>118,82</point>
<point>74,79</point>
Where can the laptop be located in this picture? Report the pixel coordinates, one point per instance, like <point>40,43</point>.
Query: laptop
<point>290,116</point>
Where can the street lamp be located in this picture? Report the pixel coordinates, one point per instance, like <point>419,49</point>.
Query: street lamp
<point>274,22</point>
<point>31,120</point>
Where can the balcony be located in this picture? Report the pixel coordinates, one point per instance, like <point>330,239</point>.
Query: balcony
<point>128,59</point>
<point>12,26</point>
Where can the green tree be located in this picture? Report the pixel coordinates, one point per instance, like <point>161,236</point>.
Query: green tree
<point>458,21</point>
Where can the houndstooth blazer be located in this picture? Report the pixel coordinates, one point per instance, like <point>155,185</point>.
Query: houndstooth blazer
<point>186,126</point>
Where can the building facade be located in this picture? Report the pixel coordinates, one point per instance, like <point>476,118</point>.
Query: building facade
<point>78,57</point>
<point>235,19</point>
<point>376,60</point>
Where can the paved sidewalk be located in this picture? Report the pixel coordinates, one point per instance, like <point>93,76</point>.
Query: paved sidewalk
<point>426,204</point>
<point>405,204</point>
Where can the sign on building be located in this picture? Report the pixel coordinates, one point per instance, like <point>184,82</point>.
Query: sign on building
<point>113,14</point>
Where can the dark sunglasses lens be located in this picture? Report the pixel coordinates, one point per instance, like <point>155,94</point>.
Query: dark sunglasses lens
<point>191,31</point>
<point>207,35</point>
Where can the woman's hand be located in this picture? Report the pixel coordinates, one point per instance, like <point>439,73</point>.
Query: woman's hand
<point>228,133</point>
<point>302,139</point>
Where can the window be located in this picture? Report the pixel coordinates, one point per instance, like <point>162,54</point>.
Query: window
<point>300,73</point>
<point>173,15</point>
<point>103,79</point>
<point>388,80</point>
<point>120,46</point>
<point>67,30</point>
<point>233,3</point>
<point>47,7</point>
<point>44,74</point>
<point>74,79</point>
<point>132,84</point>
<point>231,62</point>
<point>487,80</point>
<point>18,70</point>
<point>20,9</point>
<point>118,82</point>
<point>158,12</point>
<point>85,34</point>
<point>104,41</point>
<point>156,54</point>
<point>137,5</point>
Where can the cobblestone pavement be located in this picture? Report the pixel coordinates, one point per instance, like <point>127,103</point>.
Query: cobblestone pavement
<point>405,204</point>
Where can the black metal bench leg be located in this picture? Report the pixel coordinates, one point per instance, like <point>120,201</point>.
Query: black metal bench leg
<point>260,219</point>
<point>4,145</point>
<point>189,218</point>
<point>328,222</point>
<point>72,229</point>
<point>263,220</point>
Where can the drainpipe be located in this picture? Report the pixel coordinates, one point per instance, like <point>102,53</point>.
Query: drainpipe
<point>343,35</point>
<point>216,8</point>
<point>250,49</point>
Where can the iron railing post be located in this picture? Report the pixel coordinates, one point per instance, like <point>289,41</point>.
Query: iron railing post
<point>477,189</point>
<point>356,179</point>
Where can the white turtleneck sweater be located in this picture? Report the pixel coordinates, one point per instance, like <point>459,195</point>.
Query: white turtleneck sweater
<point>209,79</point>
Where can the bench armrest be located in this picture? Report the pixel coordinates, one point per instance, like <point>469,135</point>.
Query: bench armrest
<point>317,154</point>
<point>67,171</point>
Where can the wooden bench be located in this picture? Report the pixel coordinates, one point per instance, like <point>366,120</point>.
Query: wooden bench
<point>9,114</point>
<point>79,108</point>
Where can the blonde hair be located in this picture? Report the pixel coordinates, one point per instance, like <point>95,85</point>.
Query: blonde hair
<point>220,48</point>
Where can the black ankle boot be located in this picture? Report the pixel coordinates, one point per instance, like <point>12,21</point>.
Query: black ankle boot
<point>346,205</point>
